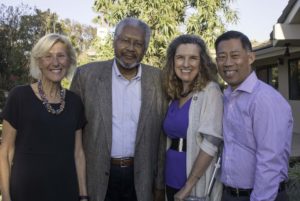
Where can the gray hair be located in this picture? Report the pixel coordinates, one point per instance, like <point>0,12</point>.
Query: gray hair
<point>42,47</point>
<point>130,21</point>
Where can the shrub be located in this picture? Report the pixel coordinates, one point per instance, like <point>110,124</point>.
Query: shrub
<point>293,185</point>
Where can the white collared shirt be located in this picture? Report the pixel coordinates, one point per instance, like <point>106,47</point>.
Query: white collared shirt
<point>126,104</point>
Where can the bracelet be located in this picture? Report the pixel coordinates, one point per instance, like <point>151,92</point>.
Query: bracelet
<point>83,197</point>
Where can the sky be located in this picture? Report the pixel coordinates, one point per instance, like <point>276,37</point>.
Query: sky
<point>256,17</point>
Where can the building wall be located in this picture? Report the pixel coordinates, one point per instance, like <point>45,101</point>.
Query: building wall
<point>284,90</point>
<point>295,104</point>
<point>296,114</point>
<point>283,77</point>
<point>283,80</point>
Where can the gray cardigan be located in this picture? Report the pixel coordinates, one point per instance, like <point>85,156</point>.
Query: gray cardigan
<point>205,116</point>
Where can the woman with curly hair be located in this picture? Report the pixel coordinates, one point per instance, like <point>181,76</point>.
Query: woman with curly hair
<point>193,123</point>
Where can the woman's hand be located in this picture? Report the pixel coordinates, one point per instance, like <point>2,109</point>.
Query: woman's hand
<point>199,167</point>
<point>183,193</point>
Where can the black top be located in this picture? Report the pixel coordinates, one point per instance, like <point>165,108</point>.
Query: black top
<point>43,165</point>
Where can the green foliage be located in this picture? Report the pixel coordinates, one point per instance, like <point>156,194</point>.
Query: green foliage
<point>15,44</point>
<point>168,19</point>
<point>81,36</point>
<point>3,97</point>
<point>104,47</point>
<point>66,83</point>
<point>294,182</point>
<point>294,171</point>
<point>21,27</point>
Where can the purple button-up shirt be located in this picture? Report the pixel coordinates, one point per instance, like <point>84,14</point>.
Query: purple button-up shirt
<point>257,129</point>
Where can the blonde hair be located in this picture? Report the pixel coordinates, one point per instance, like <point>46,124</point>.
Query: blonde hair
<point>42,47</point>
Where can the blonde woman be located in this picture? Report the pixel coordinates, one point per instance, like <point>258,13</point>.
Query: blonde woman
<point>41,155</point>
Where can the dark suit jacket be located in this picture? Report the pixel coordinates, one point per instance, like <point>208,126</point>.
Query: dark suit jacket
<point>93,83</point>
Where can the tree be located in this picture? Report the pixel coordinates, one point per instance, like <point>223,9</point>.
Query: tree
<point>167,19</point>
<point>15,45</point>
<point>81,36</point>
<point>20,28</point>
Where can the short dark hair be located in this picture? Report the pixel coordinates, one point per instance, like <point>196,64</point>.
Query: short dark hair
<point>173,85</point>
<point>246,44</point>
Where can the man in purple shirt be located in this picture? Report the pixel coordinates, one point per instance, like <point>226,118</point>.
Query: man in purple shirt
<point>257,127</point>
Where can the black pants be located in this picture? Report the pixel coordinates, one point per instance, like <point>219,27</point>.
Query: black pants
<point>171,192</point>
<point>282,196</point>
<point>121,184</point>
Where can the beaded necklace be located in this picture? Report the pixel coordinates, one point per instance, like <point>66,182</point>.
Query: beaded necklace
<point>46,102</point>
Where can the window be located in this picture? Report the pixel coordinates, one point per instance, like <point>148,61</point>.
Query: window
<point>268,74</point>
<point>294,79</point>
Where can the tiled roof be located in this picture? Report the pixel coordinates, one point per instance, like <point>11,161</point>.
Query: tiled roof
<point>286,11</point>
<point>284,14</point>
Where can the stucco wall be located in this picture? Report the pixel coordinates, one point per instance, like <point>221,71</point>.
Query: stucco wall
<point>283,86</point>
<point>296,114</point>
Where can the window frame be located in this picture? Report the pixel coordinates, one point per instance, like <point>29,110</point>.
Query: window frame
<point>269,68</point>
<point>290,78</point>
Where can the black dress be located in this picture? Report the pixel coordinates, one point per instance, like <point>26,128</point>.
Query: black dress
<point>43,165</point>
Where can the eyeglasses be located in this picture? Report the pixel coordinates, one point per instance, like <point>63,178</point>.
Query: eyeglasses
<point>128,42</point>
<point>58,57</point>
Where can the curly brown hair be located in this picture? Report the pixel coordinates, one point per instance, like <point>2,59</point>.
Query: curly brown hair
<point>172,84</point>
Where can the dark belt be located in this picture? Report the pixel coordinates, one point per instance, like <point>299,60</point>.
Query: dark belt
<point>239,192</point>
<point>178,144</point>
<point>122,162</point>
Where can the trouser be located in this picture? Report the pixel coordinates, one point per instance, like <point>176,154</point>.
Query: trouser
<point>121,184</point>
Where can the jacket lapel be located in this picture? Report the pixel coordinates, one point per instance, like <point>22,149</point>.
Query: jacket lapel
<point>104,103</point>
<point>147,90</point>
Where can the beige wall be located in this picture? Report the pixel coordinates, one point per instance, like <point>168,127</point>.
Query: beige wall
<point>284,82</point>
<point>284,90</point>
<point>296,114</point>
<point>295,104</point>
<point>283,74</point>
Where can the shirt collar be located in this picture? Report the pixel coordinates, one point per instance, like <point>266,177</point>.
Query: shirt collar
<point>118,74</point>
<point>247,85</point>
